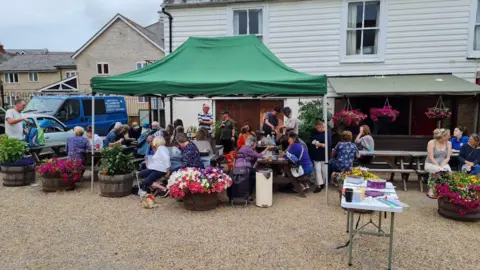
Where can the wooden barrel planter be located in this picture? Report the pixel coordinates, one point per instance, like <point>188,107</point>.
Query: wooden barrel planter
<point>54,183</point>
<point>116,185</point>
<point>16,176</point>
<point>200,201</point>
<point>448,210</point>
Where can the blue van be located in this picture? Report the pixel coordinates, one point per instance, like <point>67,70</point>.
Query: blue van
<point>77,110</point>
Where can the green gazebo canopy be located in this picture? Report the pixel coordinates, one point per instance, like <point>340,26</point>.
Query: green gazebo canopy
<point>223,66</point>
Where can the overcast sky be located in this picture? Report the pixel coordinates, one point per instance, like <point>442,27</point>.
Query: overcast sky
<point>65,25</point>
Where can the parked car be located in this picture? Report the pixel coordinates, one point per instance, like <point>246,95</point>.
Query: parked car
<point>77,110</point>
<point>55,131</point>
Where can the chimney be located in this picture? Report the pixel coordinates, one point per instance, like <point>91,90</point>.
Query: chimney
<point>2,50</point>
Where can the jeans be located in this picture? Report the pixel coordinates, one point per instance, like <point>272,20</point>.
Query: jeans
<point>149,177</point>
<point>475,170</point>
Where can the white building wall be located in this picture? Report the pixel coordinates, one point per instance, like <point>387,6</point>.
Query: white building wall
<point>422,36</point>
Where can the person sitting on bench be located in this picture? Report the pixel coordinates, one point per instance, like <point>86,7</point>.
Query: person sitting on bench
<point>343,155</point>
<point>158,166</point>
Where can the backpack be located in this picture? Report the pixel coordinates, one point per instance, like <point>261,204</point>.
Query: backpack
<point>35,137</point>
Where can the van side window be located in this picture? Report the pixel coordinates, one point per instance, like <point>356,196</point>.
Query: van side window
<point>99,107</point>
<point>70,110</point>
<point>50,125</point>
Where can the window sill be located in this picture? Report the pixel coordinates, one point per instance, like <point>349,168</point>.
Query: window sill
<point>354,60</point>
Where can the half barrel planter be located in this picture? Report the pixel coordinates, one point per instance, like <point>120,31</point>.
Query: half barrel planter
<point>200,201</point>
<point>54,183</point>
<point>116,185</point>
<point>452,211</point>
<point>20,173</point>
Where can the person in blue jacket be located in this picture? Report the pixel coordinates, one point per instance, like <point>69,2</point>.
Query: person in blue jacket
<point>469,156</point>
<point>459,138</point>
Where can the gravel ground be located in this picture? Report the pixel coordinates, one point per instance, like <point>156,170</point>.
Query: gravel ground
<point>81,230</point>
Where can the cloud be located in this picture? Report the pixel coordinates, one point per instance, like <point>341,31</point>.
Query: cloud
<point>65,25</point>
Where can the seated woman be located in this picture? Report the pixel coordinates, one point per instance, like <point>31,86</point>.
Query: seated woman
<point>300,151</point>
<point>365,142</point>
<point>77,145</point>
<point>439,150</point>
<point>459,138</point>
<point>202,141</point>
<point>158,166</point>
<point>190,154</point>
<point>245,133</point>
<point>343,155</point>
<point>247,156</point>
<point>469,156</point>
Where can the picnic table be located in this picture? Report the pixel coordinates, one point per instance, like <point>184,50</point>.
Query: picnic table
<point>279,167</point>
<point>396,161</point>
<point>36,150</point>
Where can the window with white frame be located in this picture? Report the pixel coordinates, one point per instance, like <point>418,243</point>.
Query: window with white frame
<point>474,37</point>
<point>141,65</point>
<point>11,78</point>
<point>142,99</point>
<point>33,76</point>
<point>363,29</point>
<point>248,22</point>
<point>70,74</point>
<point>103,69</point>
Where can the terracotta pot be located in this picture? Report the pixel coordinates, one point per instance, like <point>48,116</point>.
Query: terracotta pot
<point>116,185</point>
<point>200,201</point>
<point>54,182</point>
<point>449,210</point>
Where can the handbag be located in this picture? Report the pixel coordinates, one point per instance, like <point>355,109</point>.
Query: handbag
<point>298,171</point>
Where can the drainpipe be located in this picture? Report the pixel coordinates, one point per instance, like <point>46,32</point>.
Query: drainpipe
<point>170,20</point>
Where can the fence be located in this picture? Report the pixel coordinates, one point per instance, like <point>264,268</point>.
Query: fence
<point>134,103</point>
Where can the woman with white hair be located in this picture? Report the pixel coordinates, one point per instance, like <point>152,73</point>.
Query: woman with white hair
<point>246,157</point>
<point>77,145</point>
<point>111,139</point>
<point>158,166</point>
<point>439,150</point>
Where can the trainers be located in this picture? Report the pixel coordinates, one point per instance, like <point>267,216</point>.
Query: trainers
<point>142,193</point>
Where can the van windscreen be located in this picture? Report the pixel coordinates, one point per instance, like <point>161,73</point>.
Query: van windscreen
<point>43,105</point>
<point>99,107</point>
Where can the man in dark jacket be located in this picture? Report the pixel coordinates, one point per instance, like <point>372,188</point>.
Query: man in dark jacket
<point>318,155</point>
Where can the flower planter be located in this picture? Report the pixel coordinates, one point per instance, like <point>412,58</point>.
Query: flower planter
<point>200,201</point>
<point>448,210</point>
<point>18,174</point>
<point>116,185</point>
<point>54,182</point>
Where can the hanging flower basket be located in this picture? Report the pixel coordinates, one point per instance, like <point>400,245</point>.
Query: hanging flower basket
<point>439,112</point>
<point>348,116</point>
<point>387,112</point>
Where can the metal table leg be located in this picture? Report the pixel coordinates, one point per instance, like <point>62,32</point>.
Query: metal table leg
<point>348,220</point>
<point>350,244</point>
<point>379,222</point>
<point>390,247</point>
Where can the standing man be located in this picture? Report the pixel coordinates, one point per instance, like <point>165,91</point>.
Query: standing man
<point>227,132</point>
<point>13,120</point>
<point>205,119</point>
<point>270,121</point>
<point>292,122</point>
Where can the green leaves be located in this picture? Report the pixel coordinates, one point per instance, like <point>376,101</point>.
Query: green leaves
<point>116,162</point>
<point>11,149</point>
<point>309,113</point>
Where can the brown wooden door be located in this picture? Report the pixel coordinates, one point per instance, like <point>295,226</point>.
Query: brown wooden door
<point>251,111</point>
<point>421,124</point>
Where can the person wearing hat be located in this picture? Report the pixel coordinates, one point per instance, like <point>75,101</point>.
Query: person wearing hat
<point>292,122</point>
<point>227,132</point>
<point>135,131</point>
<point>270,121</point>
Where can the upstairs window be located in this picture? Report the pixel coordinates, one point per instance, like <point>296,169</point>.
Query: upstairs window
<point>103,69</point>
<point>33,76</point>
<point>70,74</point>
<point>363,33</point>
<point>248,22</point>
<point>141,65</point>
<point>474,35</point>
<point>11,77</point>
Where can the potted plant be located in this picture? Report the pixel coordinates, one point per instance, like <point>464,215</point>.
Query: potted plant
<point>309,113</point>
<point>348,117</point>
<point>458,195</point>
<point>60,174</point>
<point>116,172</point>
<point>16,169</point>
<point>199,188</point>
<point>387,113</point>
<point>439,112</point>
